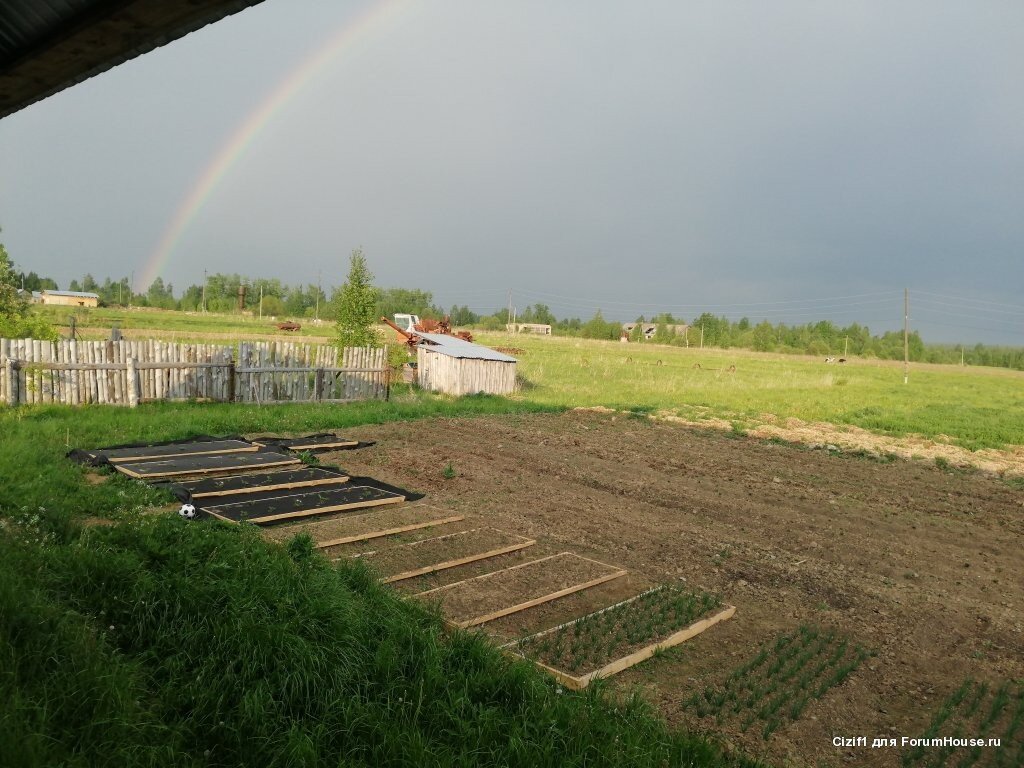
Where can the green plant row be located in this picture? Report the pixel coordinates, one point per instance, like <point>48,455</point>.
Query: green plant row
<point>602,637</point>
<point>779,682</point>
<point>976,710</point>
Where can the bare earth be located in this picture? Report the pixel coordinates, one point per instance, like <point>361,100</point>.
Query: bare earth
<point>922,564</point>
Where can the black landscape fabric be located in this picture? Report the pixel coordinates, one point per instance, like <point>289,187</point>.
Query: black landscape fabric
<point>208,464</point>
<point>241,484</point>
<point>322,441</point>
<point>97,457</point>
<point>302,504</point>
<point>231,498</point>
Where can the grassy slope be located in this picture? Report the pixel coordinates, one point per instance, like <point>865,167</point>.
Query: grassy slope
<point>161,642</point>
<point>976,407</point>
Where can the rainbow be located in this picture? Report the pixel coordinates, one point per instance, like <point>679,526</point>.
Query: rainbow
<point>352,32</point>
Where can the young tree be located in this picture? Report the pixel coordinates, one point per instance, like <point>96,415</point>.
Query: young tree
<point>356,303</point>
<point>12,303</point>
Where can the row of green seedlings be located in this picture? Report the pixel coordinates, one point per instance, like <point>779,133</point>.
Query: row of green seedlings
<point>975,711</point>
<point>593,640</point>
<point>779,682</point>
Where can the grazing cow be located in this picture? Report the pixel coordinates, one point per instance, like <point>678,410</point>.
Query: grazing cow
<point>830,359</point>
<point>842,359</point>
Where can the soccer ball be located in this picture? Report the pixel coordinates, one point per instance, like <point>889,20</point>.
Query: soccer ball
<point>187,511</point>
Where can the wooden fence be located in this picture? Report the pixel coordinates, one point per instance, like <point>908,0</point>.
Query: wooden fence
<point>128,372</point>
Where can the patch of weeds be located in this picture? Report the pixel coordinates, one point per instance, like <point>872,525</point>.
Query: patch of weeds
<point>308,458</point>
<point>449,472</point>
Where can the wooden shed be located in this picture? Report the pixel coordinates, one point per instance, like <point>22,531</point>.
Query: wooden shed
<point>457,367</point>
<point>69,298</point>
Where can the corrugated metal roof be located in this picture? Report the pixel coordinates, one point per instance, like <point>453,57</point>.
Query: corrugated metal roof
<point>453,346</point>
<point>75,294</point>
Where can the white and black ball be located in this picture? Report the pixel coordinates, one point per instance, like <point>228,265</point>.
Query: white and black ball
<point>187,511</point>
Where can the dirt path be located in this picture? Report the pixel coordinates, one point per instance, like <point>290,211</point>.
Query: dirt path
<point>922,564</point>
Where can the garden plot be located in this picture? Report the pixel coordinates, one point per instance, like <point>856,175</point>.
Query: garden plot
<point>212,464</point>
<point>406,561</point>
<point>484,598</point>
<point>311,443</point>
<point>381,522</point>
<point>781,680</point>
<point>616,638</point>
<point>173,450</point>
<point>303,504</point>
<point>282,480</point>
<point>976,710</point>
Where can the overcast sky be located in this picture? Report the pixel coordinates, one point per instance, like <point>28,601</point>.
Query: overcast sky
<point>788,160</point>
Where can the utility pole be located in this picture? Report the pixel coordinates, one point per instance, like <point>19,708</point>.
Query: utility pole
<point>961,355</point>
<point>846,346</point>
<point>204,290</point>
<point>508,317</point>
<point>261,301</point>
<point>906,335</point>
<point>702,335</point>
<point>131,290</point>
<point>318,278</point>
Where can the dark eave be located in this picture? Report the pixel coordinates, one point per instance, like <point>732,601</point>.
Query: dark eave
<point>49,45</point>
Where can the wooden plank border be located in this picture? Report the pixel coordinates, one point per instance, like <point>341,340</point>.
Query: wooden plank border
<point>638,656</point>
<point>339,480</point>
<point>509,610</point>
<point>389,531</point>
<point>523,543</point>
<point>304,512</point>
<point>126,469</point>
<point>157,457</point>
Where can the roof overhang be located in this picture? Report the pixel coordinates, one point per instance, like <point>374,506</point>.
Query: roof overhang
<point>49,45</point>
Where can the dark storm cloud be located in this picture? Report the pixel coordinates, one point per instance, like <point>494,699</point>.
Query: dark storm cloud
<point>636,157</point>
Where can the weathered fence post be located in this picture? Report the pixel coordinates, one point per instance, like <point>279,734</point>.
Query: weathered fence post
<point>12,382</point>
<point>318,385</point>
<point>133,383</point>
<point>231,381</point>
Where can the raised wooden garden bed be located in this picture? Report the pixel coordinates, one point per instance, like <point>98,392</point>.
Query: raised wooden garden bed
<point>175,450</point>
<point>303,504</point>
<point>205,465</point>
<point>613,639</point>
<point>378,523</point>
<point>406,561</point>
<point>260,482</point>
<point>476,601</point>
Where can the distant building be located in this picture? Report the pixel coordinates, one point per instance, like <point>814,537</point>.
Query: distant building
<point>649,329</point>
<point>541,329</point>
<point>66,298</point>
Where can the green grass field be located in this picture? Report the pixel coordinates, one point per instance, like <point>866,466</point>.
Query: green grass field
<point>191,326</point>
<point>975,407</point>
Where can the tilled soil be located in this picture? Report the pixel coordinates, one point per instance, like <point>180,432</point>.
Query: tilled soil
<point>924,565</point>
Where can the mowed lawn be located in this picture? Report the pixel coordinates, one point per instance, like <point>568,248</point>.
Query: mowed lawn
<point>973,407</point>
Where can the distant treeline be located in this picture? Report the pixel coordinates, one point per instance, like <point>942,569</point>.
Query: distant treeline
<point>822,338</point>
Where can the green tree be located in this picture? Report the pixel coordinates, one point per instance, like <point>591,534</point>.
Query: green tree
<point>356,303</point>
<point>12,303</point>
<point>16,322</point>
